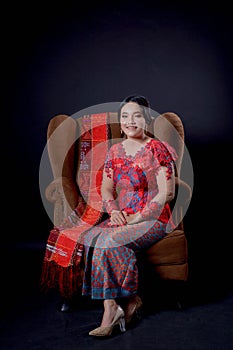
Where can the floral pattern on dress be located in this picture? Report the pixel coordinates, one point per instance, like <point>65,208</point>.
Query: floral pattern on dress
<point>134,177</point>
<point>111,266</point>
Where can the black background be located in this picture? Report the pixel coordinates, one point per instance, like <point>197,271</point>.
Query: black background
<point>61,58</point>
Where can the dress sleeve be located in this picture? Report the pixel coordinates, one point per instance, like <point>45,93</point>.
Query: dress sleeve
<point>167,156</point>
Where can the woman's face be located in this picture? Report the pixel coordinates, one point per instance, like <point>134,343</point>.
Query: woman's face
<point>132,120</point>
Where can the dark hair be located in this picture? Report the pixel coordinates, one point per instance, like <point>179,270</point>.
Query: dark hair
<point>140,100</point>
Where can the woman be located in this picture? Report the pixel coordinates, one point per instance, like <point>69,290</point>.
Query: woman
<point>138,184</point>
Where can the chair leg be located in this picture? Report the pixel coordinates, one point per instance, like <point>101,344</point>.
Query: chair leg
<point>69,304</point>
<point>178,298</point>
<point>66,305</point>
<point>163,294</point>
<point>157,293</point>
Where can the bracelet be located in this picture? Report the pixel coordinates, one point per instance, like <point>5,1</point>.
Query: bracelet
<point>110,205</point>
<point>154,210</point>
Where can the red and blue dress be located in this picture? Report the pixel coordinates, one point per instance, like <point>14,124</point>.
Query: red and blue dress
<point>111,265</point>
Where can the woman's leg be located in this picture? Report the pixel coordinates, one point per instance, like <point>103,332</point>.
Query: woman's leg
<point>110,309</point>
<point>142,235</point>
<point>113,271</point>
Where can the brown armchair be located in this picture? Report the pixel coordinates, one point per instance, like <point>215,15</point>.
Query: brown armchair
<point>168,258</point>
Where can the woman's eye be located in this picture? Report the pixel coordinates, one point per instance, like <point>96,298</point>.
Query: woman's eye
<point>138,115</point>
<point>124,116</point>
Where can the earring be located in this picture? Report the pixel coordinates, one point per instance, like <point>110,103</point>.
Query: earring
<point>122,132</point>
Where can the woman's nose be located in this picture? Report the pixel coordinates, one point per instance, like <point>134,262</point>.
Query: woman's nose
<point>131,119</point>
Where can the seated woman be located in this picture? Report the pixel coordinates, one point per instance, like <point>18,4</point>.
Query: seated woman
<point>138,184</point>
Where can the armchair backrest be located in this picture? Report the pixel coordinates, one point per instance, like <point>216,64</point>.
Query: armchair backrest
<point>169,127</point>
<point>72,162</point>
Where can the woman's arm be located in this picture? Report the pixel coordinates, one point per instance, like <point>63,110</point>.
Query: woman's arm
<point>109,202</point>
<point>166,192</point>
<point>107,187</point>
<point>166,187</point>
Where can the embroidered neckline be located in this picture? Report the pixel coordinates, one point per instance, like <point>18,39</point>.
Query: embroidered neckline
<point>139,151</point>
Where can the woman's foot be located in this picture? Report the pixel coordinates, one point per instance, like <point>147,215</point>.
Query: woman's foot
<point>133,309</point>
<point>113,316</point>
<point>110,309</point>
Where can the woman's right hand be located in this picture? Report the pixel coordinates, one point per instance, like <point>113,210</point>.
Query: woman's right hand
<point>117,218</point>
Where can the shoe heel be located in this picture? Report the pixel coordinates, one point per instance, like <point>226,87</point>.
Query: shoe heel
<point>122,324</point>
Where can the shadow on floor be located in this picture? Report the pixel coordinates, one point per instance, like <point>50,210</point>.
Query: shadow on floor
<point>31,320</point>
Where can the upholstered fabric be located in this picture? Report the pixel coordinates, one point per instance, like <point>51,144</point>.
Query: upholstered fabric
<point>169,256</point>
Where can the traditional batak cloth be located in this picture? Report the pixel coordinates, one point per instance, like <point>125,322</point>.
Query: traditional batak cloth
<point>62,264</point>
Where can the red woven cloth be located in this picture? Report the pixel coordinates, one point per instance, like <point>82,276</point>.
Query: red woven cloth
<point>63,260</point>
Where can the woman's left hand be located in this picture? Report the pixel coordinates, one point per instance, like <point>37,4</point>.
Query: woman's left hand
<point>133,218</point>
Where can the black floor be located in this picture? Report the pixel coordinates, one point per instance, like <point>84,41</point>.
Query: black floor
<point>30,319</point>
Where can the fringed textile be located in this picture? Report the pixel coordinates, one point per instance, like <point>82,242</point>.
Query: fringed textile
<point>62,264</point>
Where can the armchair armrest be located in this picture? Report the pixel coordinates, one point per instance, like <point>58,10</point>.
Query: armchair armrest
<point>181,202</point>
<point>184,190</point>
<point>63,193</point>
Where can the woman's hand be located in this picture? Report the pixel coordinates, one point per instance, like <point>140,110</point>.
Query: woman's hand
<point>133,218</point>
<point>118,218</point>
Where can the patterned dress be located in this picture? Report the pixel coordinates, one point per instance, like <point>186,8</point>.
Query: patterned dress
<point>111,265</point>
